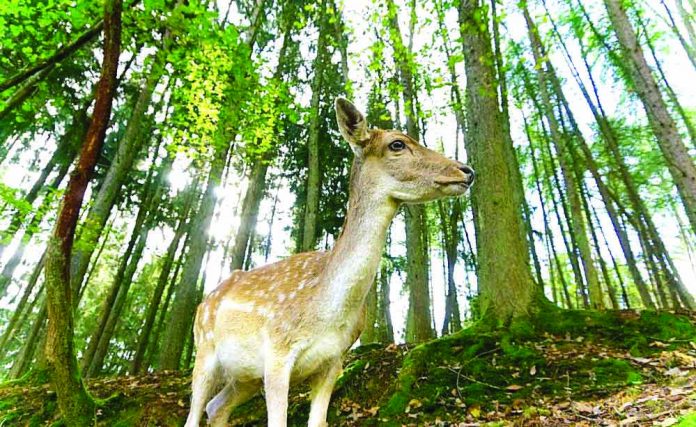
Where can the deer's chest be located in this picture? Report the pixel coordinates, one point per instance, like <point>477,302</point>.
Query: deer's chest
<point>327,344</point>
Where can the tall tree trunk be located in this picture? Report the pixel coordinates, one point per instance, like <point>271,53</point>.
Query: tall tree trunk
<point>153,305</point>
<point>419,318</point>
<point>563,148</point>
<point>76,406</point>
<point>23,360</point>
<point>114,313</point>
<point>671,94</point>
<point>679,162</point>
<point>449,222</point>
<point>313,186</point>
<point>547,228</point>
<point>610,138</point>
<point>505,282</point>
<point>128,148</point>
<point>184,304</point>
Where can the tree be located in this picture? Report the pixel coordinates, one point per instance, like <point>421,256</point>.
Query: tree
<point>74,402</point>
<point>419,324</point>
<point>505,282</point>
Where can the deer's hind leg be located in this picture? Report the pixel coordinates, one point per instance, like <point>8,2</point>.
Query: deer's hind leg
<point>322,385</point>
<point>232,395</point>
<point>203,383</point>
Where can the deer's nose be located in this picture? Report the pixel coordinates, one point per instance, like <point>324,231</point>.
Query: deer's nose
<point>468,173</point>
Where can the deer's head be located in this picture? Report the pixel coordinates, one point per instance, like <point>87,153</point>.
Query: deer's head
<point>397,165</point>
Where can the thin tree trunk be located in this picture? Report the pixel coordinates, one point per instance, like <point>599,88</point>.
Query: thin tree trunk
<point>609,137</point>
<point>184,304</point>
<point>688,48</point>
<point>19,311</point>
<point>563,147</point>
<point>26,355</point>
<point>668,88</point>
<point>687,19</point>
<point>385,330</point>
<point>419,318</point>
<point>115,311</point>
<point>150,354</point>
<point>313,186</point>
<point>547,228</point>
<point>153,305</point>
<point>76,405</point>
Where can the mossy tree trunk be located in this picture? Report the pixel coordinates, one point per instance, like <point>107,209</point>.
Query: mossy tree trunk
<point>505,282</point>
<point>76,405</point>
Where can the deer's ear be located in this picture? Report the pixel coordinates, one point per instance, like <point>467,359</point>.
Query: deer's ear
<point>351,123</point>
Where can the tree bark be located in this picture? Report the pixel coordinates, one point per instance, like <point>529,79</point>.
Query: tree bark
<point>76,406</point>
<point>505,282</point>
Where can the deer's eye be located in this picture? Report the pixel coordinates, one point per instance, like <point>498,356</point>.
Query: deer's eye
<point>397,145</point>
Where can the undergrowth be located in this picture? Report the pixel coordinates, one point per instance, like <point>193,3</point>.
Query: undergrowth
<point>557,364</point>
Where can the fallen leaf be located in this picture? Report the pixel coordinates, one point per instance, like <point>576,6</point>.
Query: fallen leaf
<point>533,370</point>
<point>583,407</point>
<point>668,422</point>
<point>475,411</point>
<point>514,387</point>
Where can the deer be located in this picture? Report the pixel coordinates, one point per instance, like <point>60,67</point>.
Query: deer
<point>292,321</point>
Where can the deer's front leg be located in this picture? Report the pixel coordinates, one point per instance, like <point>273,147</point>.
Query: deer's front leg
<point>322,387</point>
<point>276,380</point>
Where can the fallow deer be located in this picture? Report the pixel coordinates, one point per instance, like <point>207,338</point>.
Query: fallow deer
<point>293,320</point>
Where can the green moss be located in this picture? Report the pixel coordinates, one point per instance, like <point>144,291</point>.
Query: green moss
<point>688,420</point>
<point>349,372</point>
<point>617,372</point>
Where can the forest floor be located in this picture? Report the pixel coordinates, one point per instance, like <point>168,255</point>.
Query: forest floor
<point>586,369</point>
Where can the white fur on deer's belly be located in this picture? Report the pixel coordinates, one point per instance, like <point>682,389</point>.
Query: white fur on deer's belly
<point>242,355</point>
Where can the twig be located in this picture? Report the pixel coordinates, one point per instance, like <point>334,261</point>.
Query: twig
<point>459,373</point>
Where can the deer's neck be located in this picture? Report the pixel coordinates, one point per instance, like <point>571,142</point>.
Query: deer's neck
<point>354,261</point>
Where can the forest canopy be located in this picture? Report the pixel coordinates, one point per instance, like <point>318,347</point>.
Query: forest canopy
<point>150,148</point>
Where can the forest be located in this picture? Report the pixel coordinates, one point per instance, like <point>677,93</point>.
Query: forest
<point>150,148</point>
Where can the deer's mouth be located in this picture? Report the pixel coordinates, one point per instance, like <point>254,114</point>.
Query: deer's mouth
<point>449,182</point>
<point>451,187</point>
